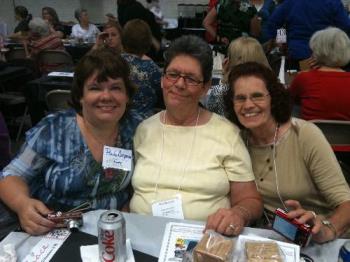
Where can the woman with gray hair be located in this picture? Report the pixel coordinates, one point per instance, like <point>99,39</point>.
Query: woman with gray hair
<point>191,163</point>
<point>84,30</point>
<point>41,38</point>
<point>323,93</point>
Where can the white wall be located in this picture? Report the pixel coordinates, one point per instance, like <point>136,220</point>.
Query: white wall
<point>65,8</point>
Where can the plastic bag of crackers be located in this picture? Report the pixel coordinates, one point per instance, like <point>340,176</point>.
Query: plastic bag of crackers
<point>213,247</point>
<point>262,251</point>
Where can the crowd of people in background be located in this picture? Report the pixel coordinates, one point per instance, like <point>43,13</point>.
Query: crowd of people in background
<point>231,161</point>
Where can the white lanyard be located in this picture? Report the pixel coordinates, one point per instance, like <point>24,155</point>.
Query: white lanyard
<point>162,153</point>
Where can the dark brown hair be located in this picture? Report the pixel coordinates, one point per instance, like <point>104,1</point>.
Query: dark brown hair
<point>107,63</point>
<point>280,100</point>
<point>137,37</point>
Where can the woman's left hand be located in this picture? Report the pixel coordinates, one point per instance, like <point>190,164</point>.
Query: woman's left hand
<point>320,233</point>
<point>226,221</point>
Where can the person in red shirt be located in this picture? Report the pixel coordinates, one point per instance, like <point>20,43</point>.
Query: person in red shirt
<point>324,93</point>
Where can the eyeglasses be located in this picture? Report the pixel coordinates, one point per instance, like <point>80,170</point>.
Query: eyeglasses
<point>256,98</point>
<point>189,80</point>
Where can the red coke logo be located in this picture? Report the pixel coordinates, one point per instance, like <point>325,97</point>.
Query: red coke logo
<point>108,242</point>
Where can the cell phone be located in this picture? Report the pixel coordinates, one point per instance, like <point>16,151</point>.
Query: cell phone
<point>291,229</point>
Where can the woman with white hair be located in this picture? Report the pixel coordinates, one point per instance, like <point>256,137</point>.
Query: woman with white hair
<point>84,30</point>
<point>41,38</point>
<point>323,93</point>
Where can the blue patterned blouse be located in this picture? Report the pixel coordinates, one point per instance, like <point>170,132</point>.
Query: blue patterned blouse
<point>146,75</point>
<point>60,170</point>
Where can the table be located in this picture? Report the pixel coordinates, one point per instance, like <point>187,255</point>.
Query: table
<point>77,51</point>
<point>146,234</point>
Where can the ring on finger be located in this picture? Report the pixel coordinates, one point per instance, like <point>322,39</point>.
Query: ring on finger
<point>232,227</point>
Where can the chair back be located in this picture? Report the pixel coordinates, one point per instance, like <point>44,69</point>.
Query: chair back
<point>337,133</point>
<point>15,53</point>
<point>52,60</point>
<point>57,100</point>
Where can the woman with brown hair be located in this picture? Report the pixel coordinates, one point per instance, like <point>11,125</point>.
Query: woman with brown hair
<point>294,166</point>
<point>60,165</point>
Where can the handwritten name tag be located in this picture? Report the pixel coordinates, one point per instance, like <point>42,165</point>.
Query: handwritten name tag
<point>114,157</point>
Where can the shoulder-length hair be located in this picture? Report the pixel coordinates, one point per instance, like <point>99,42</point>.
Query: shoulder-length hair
<point>137,37</point>
<point>330,47</point>
<point>108,64</point>
<point>281,108</point>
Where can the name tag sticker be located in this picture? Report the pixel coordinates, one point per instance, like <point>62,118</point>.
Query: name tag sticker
<point>118,158</point>
<point>281,37</point>
<point>171,208</point>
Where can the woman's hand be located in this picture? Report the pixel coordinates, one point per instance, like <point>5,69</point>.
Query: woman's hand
<point>320,232</point>
<point>31,214</point>
<point>227,221</point>
<point>101,40</point>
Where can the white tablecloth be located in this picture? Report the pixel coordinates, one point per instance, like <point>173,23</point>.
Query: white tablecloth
<point>146,234</point>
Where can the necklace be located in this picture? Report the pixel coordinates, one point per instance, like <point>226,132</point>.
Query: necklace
<point>162,153</point>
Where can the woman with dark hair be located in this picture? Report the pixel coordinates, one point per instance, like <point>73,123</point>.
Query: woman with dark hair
<point>137,41</point>
<point>189,160</point>
<point>110,37</point>
<point>23,18</point>
<point>294,166</point>
<point>60,166</point>
<point>49,14</point>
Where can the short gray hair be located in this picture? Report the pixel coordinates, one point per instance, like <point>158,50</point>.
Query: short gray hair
<point>330,47</point>
<point>78,12</point>
<point>194,47</point>
<point>39,26</point>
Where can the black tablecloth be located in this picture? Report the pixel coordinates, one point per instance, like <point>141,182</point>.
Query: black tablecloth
<point>77,51</point>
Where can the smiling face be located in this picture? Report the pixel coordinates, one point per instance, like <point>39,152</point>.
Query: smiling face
<point>104,102</point>
<point>177,94</point>
<point>253,115</point>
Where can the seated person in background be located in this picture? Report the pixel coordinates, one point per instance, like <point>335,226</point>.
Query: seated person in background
<point>294,166</point>
<point>23,18</point>
<point>233,19</point>
<point>192,156</point>
<point>110,37</point>
<point>137,41</point>
<point>302,18</point>
<point>60,163</point>
<point>241,50</point>
<point>49,14</point>
<point>132,9</point>
<point>41,38</point>
<point>84,30</point>
<point>324,93</point>
<point>5,155</point>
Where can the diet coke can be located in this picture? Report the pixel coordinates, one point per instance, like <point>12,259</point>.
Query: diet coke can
<point>112,237</point>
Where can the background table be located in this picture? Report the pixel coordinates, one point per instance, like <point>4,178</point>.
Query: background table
<point>146,235</point>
